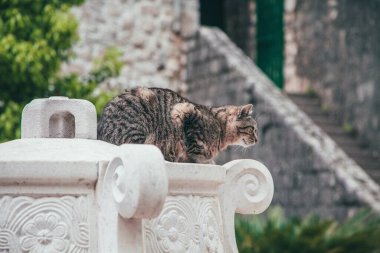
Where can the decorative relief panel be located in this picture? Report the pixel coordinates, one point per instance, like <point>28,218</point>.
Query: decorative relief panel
<point>44,225</point>
<point>187,224</point>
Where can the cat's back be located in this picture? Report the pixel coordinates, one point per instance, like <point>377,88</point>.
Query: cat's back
<point>130,116</point>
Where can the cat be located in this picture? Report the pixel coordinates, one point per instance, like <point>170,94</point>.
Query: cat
<point>182,130</point>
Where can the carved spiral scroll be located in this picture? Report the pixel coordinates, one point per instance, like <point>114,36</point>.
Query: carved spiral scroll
<point>253,186</point>
<point>139,181</point>
<point>248,190</point>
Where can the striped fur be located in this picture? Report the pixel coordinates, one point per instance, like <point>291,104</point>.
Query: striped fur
<point>182,130</point>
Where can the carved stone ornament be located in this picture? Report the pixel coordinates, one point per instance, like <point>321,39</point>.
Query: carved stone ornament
<point>198,215</point>
<point>138,180</point>
<point>248,189</point>
<point>186,224</point>
<point>39,225</point>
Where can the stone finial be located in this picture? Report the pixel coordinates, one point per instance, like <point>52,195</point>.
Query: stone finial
<point>59,117</point>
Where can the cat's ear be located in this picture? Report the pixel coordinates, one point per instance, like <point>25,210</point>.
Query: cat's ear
<point>245,111</point>
<point>180,110</point>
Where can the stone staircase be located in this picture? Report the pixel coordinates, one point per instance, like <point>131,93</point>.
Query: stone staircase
<point>311,105</point>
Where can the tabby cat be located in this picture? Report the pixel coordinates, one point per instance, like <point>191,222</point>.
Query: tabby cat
<point>182,130</point>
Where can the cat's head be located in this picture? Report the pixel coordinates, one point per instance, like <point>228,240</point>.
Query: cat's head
<point>241,128</point>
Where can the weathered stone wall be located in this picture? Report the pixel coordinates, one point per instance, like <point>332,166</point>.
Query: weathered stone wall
<point>333,47</point>
<point>311,174</point>
<point>149,33</point>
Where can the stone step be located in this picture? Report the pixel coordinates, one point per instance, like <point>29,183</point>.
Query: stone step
<point>343,140</point>
<point>311,106</point>
<point>374,174</point>
<point>332,129</point>
<point>367,163</point>
<point>355,151</point>
<point>304,100</point>
<point>323,120</point>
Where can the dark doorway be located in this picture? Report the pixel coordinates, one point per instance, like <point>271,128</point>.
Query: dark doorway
<point>232,17</point>
<point>270,39</point>
<point>212,13</point>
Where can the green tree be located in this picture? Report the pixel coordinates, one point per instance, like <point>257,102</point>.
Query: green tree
<point>35,38</point>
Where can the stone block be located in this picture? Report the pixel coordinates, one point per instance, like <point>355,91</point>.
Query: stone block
<point>138,39</point>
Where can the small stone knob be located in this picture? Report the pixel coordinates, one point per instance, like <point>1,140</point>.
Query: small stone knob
<point>59,117</point>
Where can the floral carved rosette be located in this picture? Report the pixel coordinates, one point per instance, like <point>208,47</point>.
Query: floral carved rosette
<point>44,225</point>
<point>44,233</point>
<point>187,224</point>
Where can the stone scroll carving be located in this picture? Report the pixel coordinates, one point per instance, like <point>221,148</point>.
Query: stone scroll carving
<point>134,187</point>
<point>248,189</point>
<point>138,180</point>
<point>50,224</point>
<point>190,224</point>
<point>204,222</point>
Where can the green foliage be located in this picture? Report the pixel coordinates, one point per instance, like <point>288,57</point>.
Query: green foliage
<point>10,122</point>
<point>108,65</point>
<point>35,38</point>
<point>348,129</point>
<point>71,86</point>
<point>275,234</point>
<point>311,92</point>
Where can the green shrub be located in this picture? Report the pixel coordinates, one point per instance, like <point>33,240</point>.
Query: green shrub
<point>106,66</point>
<point>35,38</point>
<point>10,122</point>
<point>71,86</point>
<point>349,129</point>
<point>275,234</point>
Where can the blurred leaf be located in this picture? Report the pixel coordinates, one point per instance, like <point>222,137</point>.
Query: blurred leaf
<point>10,122</point>
<point>107,66</point>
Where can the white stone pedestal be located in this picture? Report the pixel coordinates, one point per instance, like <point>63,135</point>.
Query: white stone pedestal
<point>83,195</point>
